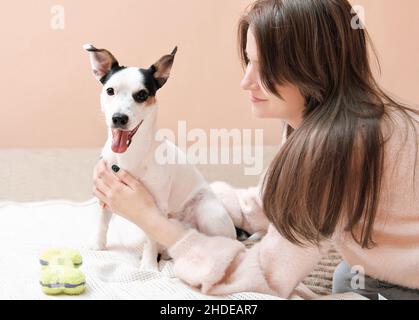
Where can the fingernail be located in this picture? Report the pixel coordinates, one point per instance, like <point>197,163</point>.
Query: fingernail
<point>115,168</point>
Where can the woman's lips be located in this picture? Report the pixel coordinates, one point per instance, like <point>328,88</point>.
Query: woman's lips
<point>257,100</point>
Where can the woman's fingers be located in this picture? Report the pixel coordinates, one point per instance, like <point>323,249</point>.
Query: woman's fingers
<point>96,170</point>
<point>98,194</point>
<point>108,177</point>
<point>127,179</point>
<point>100,167</point>
<point>99,181</point>
<point>103,186</point>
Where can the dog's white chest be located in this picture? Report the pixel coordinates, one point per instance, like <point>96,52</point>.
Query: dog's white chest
<point>172,185</point>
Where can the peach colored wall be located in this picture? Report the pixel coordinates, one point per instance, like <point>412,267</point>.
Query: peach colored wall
<point>49,97</point>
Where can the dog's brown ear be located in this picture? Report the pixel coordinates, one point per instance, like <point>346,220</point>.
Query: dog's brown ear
<point>162,68</point>
<point>101,60</point>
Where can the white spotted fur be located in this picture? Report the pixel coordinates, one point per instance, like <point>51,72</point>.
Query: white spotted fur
<point>180,190</point>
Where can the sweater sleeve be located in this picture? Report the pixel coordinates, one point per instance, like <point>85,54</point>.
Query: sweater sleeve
<point>243,205</point>
<point>219,266</point>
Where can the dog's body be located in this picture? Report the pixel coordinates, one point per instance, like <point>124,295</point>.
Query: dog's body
<point>180,191</point>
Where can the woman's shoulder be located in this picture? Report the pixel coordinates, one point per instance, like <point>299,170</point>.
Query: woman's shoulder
<point>400,131</point>
<point>401,156</point>
<point>399,124</point>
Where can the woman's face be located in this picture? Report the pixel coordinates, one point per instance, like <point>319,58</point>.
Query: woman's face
<point>265,104</point>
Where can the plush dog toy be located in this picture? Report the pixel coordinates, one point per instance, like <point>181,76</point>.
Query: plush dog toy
<point>59,272</point>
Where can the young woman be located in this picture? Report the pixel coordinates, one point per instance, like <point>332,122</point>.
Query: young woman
<point>346,173</point>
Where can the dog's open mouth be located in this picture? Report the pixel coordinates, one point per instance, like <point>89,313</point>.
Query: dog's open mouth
<point>122,139</point>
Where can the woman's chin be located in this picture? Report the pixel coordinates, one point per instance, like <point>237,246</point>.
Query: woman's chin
<point>260,110</point>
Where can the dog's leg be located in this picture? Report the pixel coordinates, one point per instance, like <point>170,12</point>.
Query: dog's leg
<point>100,237</point>
<point>149,258</point>
<point>213,218</point>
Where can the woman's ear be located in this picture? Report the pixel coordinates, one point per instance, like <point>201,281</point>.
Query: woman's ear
<point>162,68</point>
<point>101,60</point>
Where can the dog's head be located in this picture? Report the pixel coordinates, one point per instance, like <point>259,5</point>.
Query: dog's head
<point>129,94</point>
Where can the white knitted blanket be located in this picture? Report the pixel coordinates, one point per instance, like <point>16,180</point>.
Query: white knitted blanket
<point>27,229</point>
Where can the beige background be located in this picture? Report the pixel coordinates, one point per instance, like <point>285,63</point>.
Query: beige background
<point>49,97</point>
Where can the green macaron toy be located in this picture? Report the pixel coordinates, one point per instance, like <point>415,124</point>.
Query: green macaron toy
<point>59,273</point>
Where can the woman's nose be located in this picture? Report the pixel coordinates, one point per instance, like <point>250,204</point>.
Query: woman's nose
<point>250,80</point>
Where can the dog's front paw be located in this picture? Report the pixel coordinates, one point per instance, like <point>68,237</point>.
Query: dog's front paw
<point>149,263</point>
<point>97,244</point>
<point>149,266</point>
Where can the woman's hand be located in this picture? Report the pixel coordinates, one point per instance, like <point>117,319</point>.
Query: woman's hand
<point>129,198</point>
<point>122,193</point>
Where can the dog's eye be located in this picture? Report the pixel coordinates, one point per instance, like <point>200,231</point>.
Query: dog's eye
<point>110,91</point>
<point>140,96</point>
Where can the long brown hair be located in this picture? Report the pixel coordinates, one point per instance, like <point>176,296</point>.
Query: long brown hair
<point>333,162</point>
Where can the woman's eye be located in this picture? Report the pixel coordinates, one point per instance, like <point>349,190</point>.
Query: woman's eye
<point>141,96</point>
<point>110,91</point>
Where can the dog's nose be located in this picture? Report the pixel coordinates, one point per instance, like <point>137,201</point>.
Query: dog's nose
<point>120,119</point>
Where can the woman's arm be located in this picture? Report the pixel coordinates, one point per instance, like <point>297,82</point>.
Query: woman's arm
<point>243,205</point>
<point>216,265</point>
<point>160,229</point>
<point>129,198</point>
<point>219,266</point>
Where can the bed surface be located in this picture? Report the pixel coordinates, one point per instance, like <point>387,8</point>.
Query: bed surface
<point>60,182</point>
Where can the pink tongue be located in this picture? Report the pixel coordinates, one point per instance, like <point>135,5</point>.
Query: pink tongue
<point>119,141</point>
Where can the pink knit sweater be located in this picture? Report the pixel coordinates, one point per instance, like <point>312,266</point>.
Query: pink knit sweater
<point>218,265</point>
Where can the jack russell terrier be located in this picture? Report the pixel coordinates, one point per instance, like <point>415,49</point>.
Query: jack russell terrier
<point>128,100</point>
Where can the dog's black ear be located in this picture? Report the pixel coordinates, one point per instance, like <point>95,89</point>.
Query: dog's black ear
<point>102,61</point>
<point>162,68</point>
